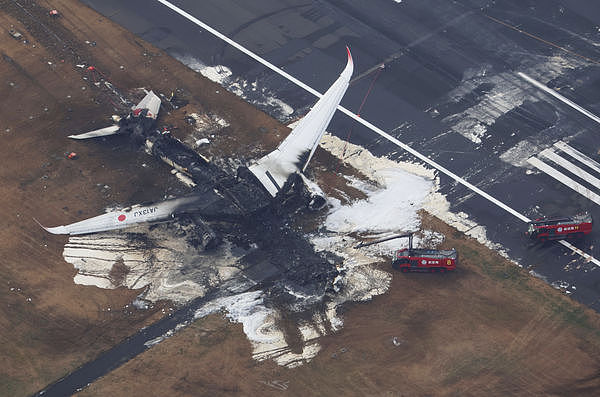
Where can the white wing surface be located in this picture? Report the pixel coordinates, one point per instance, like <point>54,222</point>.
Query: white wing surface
<point>124,218</point>
<point>274,169</point>
<point>151,102</point>
<point>106,131</point>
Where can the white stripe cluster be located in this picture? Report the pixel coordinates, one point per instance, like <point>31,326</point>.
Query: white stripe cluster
<point>585,183</point>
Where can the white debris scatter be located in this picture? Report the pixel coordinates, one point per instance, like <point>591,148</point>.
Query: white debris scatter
<point>159,339</point>
<point>507,91</point>
<point>286,109</point>
<point>208,122</point>
<point>223,75</point>
<point>140,304</point>
<point>204,125</point>
<point>218,74</point>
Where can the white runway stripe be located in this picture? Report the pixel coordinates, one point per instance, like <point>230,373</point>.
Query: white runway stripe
<point>559,176</point>
<point>362,121</point>
<point>580,252</point>
<point>560,97</point>
<point>575,170</point>
<point>577,155</point>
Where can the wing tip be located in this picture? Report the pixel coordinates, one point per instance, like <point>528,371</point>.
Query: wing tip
<point>349,54</point>
<point>53,230</point>
<point>38,222</point>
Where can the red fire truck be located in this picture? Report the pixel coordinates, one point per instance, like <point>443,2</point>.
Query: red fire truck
<point>560,228</point>
<point>419,259</point>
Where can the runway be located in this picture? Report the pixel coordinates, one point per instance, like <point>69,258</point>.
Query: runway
<point>449,89</point>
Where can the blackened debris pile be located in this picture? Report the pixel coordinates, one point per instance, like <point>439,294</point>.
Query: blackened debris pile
<point>237,208</point>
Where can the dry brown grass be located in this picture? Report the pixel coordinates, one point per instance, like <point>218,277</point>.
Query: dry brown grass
<point>487,329</point>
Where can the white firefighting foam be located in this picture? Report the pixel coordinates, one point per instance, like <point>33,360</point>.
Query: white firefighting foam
<point>260,326</point>
<point>433,202</point>
<point>165,266</point>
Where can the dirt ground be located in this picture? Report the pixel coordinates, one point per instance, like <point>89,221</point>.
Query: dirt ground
<point>487,329</point>
<point>49,325</point>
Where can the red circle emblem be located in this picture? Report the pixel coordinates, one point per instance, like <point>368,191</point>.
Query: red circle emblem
<point>121,218</point>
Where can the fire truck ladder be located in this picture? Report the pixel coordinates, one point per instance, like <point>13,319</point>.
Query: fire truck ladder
<point>381,240</point>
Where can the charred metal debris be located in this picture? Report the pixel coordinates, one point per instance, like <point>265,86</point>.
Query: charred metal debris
<point>278,258</point>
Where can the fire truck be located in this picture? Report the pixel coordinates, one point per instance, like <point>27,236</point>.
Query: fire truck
<point>544,229</point>
<point>419,259</point>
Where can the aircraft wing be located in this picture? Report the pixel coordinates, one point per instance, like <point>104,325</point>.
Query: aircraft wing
<point>106,131</point>
<point>151,102</point>
<point>274,169</point>
<point>124,218</point>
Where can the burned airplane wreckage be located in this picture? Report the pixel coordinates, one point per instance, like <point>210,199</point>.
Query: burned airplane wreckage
<point>251,209</point>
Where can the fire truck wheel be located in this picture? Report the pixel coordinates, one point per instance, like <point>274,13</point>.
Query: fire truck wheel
<point>442,270</point>
<point>404,270</point>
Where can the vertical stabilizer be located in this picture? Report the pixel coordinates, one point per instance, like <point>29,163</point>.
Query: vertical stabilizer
<point>274,169</point>
<point>151,102</point>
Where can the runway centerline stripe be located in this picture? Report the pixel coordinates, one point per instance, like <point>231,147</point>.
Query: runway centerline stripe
<point>559,97</point>
<point>360,120</point>
<point>577,155</point>
<point>575,170</point>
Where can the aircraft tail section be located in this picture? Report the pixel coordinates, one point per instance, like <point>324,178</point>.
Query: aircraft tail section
<point>151,102</point>
<point>274,169</point>
<point>148,107</point>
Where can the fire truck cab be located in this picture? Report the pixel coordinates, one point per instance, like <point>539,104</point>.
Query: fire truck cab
<point>560,228</point>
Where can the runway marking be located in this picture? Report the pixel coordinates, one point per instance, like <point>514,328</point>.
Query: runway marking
<point>580,252</point>
<point>540,39</point>
<point>577,155</point>
<point>560,97</point>
<point>575,170</point>
<point>364,122</point>
<point>565,180</point>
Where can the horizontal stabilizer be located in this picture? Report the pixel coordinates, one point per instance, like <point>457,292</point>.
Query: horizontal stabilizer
<point>122,219</point>
<point>274,169</point>
<point>106,131</point>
